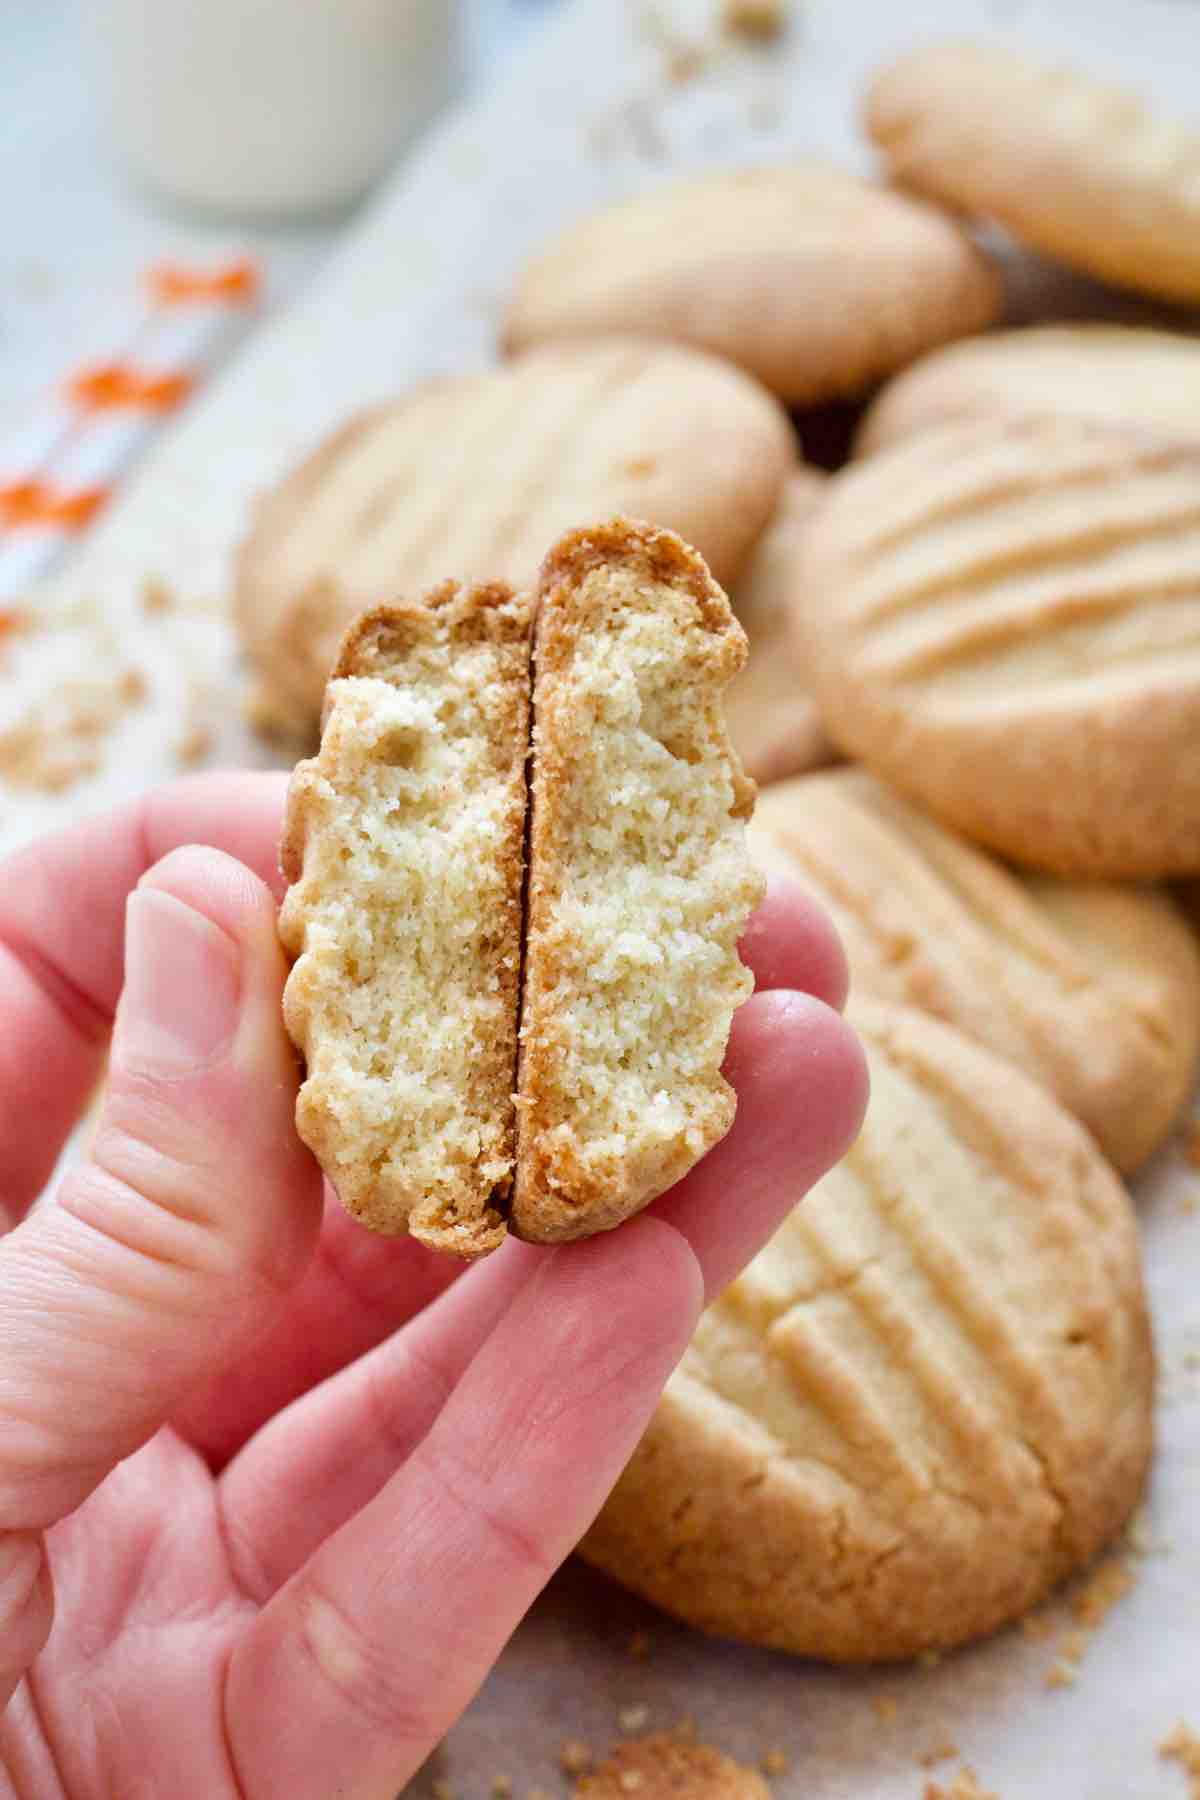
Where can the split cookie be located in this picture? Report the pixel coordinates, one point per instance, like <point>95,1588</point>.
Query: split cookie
<point>813,280</point>
<point>473,477</point>
<point>639,881</point>
<point>1002,618</point>
<point>1081,170</point>
<point>1092,988</point>
<point>925,1402</point>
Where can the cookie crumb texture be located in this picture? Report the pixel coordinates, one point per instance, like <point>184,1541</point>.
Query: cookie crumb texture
<point>668,1766</point>
<point>404,847</point>
<point>640,881</point>
<point>925,1402</point>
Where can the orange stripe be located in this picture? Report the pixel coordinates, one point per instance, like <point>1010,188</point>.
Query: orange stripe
<point>109,387</point>
<point>238,283</point>
<point>25,503</point>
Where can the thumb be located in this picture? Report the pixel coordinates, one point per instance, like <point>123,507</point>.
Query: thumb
<point>171,1247</point>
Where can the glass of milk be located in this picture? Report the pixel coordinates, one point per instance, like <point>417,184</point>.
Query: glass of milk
<point>267,108</point>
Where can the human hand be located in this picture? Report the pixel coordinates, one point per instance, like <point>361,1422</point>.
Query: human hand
<point>264,1586</point>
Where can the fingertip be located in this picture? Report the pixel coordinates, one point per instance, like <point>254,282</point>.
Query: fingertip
<point>791,942</point>
<point>784,1042</point>
<point>220,887</point>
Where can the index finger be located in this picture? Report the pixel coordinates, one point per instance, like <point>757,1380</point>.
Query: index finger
<point>62,921</point>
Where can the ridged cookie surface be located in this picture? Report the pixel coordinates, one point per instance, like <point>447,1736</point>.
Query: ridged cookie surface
<point>773,723</point>
<point>404,849</point>
<point>1123,373</point>
<point>471,478</point>
<point>640,882</point>
<point>1092,988</point>
<point>814,281</point>
<point>1079,169</point>
<point>925,1402</point>
<point>1003,619</point>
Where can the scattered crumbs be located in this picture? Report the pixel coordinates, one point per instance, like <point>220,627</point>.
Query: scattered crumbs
<point>682,58</point>
<point>441,1790</point>
<point>760,20</point>
<point>57,741</point>
<point>965,1785</point>
<point>1183,1747</point>
<point>885,1707</point>
<point>1074,1646</point>
<point>639,1646</point>
<point>574,1757</point>
<point>1106,1585</point>
<point>501,1787</point>
<point>633,1718</point>
<point>640,465</point>
<point>157,597</point>
<point>937,1753</point>
<point>666,1762</point>
<point>774,1762</point>
<point>194,744</point>
<point>630,1780</point>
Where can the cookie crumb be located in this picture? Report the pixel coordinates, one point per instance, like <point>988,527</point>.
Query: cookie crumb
<point>441,1790</point>
<point>1101,1592</point>
<point>937,1753</point>
<point>157,596</point>
<point>886,1707</point>
<point>1061,1674</point>
<point>501,1787</point>
<point>775,1762</point>
<point>1183,1747</point>
<point>574,1757</point>
<point>965,1786</point>
<point>668,1763</point>
<point>759,20</point>
<point>633,1718</point>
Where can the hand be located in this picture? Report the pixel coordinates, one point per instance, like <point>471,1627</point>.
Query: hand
<point>262,1586</point>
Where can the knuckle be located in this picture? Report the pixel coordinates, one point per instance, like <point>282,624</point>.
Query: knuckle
<point>370,1678</point>
<point>459,1487</point>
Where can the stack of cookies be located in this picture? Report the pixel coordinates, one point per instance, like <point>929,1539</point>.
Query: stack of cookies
<point>972,698</point>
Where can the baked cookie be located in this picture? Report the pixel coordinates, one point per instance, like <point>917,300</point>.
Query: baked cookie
<point>1081,170</point>
<point>1092,988</point>
<point>773,723</point>
<point>925,1402</point>
<point>668,1766</point>
<point>413,812</point>
<point>1126,374</point>
<point>815,281</point>
<point>639,881</point>
<point>1003,618</point>
<point>473,477</point>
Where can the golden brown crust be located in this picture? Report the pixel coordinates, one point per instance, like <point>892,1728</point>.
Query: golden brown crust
<point>467,650</point>
<point>593,582</point>
<point>1092,988</point>
<point>814,281</point>
<point>1002,618</point>
<point>1081,170</point>
<point>468,478</point>
<point>926,1402</point>
<point>667,1766</point>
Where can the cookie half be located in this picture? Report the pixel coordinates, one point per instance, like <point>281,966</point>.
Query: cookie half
<point>1082,170</point>
<point>640,882</point>
<point>814,281</point>
<point>1092,988</point>
<point>473,477</point>
<point>773,722</point>
<point>1126,374</point>
<point>403,845</point>
<point>925,1402</point>
<point>1002,618</point>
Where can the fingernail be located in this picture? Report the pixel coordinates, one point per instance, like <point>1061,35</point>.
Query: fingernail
<point>179,1007</point>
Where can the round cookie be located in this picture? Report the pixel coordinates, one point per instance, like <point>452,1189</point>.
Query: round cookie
<point>1091,988</point>
<point>1123,373</point>
<point>475,477</point>
<point>925,1402</point>
<point>1081,170</point>
<point>772,720</point>
<point>815,281</point>
<point>1003,619</point>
